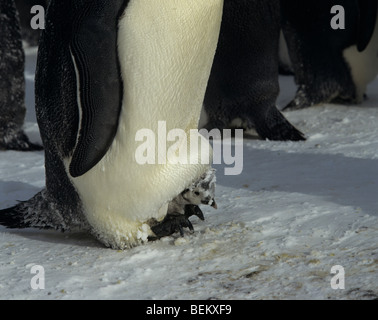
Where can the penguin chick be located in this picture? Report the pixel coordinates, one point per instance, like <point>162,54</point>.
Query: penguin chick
<point>200,193</point>
<point>185,205</point>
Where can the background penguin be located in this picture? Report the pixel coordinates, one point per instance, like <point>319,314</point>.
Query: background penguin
<point>29,35</point>
<point>243,86</point>
<point>105,70</point>
<point>331,65</point>
<point>12,82</point>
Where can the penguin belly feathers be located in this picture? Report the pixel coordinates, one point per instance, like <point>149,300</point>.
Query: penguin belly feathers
<point>128,65</point>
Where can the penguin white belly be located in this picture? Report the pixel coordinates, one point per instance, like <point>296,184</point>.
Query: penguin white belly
<point>363,65</point>
<point>166,49</point>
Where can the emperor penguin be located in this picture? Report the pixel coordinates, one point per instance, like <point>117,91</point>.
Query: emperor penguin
<point>105,70</point>
<point>332,62</point>
<point>243,85</point>
<point>12,82</point>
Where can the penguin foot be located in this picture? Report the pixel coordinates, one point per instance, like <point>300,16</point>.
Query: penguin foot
<point>43,212</point>
<point>19,142</point>
<point>274,126</point>
<point>347,100</point>
<point>300,103</point>
<point>269,123</point>
<point>330,94</point>
<point>173,223</point>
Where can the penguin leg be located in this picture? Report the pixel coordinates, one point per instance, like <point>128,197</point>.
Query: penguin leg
<point>316,52</point>
<point>243,84</point>
<point>12,82</point>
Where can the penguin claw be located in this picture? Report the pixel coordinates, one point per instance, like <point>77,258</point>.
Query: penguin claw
<point>274,126</point>
<point>171,224</point>
<point>186,224</point>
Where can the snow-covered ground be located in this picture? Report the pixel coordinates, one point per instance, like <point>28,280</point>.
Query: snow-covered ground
<point>297,210</point>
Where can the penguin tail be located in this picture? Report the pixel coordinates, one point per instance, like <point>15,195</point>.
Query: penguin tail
<point>13,218</point>
<point>26,214</point>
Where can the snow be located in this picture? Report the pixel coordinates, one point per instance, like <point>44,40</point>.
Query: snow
<point>297,210</point>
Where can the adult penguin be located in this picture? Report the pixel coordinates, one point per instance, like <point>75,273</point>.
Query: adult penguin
<point>243,86</point>
<point>105,71</point>
<point>12,82</point>
<point>331,63</point>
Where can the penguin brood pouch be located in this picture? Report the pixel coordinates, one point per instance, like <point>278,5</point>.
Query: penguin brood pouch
<point>105,70</point>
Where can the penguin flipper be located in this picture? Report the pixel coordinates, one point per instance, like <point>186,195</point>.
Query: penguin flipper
<point>94,52</point>
<point>366,24</point>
